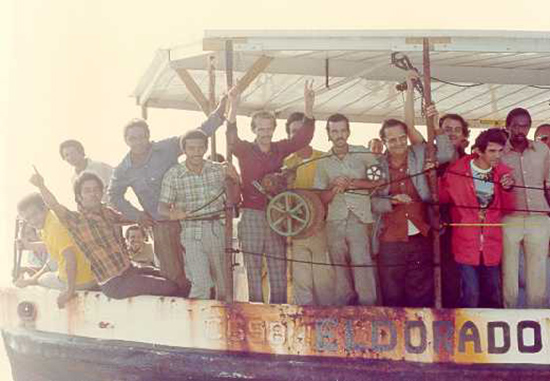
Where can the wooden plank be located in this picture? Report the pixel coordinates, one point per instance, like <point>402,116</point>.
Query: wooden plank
<point>194,89</point>
<point>256,69</point>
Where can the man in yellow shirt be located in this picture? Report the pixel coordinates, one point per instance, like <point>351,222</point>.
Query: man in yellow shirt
<point>311,284</point>
<point>74,271</point>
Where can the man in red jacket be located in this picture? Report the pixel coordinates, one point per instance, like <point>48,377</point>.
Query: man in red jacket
<point>477,188</point>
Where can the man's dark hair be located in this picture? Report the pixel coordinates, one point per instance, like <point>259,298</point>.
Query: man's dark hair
<point>135,227</point>
<point>294,117</point>
<point>458,118</point>
<point>334,118</point>
<point>71,143</point>
<point>193,134</point>
<point>517,112</point>
<point>81,179</point>
<point>492,135</point>
<point>136,123</point>
<point>33,199</point>
<point>388,123</point>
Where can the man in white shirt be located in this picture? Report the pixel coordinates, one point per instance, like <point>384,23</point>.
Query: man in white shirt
<point>72,151</point>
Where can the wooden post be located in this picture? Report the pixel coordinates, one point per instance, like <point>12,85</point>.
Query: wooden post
<point>212,100</point>
<point>229,207</point>
<point>432,175</point>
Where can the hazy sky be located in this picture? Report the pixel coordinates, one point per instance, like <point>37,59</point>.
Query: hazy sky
<point>68,67</point>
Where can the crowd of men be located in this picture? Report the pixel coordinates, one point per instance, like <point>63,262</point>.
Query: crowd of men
<point>375,246</point>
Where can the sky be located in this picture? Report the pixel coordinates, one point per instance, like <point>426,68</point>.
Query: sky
<point>67,67</point>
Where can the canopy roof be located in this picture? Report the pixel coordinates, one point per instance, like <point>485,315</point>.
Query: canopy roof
<point>481,75</point>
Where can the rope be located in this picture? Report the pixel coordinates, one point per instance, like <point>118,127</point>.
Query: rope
<point>417,263</point>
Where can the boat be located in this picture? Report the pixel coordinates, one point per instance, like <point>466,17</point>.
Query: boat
<point>478,74</point>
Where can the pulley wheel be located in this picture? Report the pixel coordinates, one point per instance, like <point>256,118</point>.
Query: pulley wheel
<point>288,213</point>
<point>374,173</point>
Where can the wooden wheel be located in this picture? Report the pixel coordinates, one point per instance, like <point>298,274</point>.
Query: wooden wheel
<point>288,213</point>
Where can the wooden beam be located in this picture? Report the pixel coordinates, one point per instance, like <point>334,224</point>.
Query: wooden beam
<point>194,89</point>
<point>253,72</point>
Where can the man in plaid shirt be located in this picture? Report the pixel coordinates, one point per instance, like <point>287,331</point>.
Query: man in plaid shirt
<point>95,230</point>
<point>193,192</point>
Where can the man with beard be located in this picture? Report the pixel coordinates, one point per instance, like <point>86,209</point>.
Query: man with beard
<point>343,175</point>
<point>529,224</point>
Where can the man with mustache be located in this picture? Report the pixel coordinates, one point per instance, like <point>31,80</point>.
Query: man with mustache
<point>142,169</point>
<point>198,185</point>
<point>257,159</point>
<point>344,176</point>
<point>529,224</point>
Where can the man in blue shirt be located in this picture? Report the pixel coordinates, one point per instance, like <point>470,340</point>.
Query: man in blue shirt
<point>143,169</point>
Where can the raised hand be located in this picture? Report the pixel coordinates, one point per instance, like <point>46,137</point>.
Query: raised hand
<point>36,179</point>
<point>309,99</point>
<point>222,106</point>
<point>234,97</point>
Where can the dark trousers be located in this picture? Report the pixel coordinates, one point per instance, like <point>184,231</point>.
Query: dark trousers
<point>450,276</point>
<point>169,251</point>
<point>139,281</point>
<point>480,286</point>
<point>406,272</point>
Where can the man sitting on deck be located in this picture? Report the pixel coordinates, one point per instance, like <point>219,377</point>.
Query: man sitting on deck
<point>402,236</point>
<point>139,249</point>
<point>94,229</point>
<point>257,160</point>
<point>142,169</point>
<point>311,284</point>
<point>191,193</point>
<point>342,174</point>
<point>477,186</point>
<point>74,271</point>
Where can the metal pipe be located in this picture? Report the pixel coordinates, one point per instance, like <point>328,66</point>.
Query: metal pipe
<point>229,210</point>
<point>432,175</point>
<point>212,99</point>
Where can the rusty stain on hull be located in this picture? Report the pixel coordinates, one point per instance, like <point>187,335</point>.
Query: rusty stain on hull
<point>399,334</point>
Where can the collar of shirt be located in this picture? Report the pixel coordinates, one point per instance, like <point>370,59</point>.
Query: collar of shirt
<point>510,148</point>
<point>127,161</point>
<point>184,170</point>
